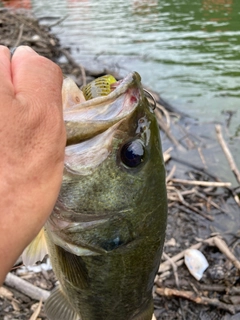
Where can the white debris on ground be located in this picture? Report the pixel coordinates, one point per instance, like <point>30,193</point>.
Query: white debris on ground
<point>45,266</point>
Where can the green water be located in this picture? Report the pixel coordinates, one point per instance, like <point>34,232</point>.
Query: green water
<point>187,50</point>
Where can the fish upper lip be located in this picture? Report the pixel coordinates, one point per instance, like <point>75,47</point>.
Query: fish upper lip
<point>131,80</point>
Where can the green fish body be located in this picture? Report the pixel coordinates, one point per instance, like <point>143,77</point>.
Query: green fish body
<point>106,232</point>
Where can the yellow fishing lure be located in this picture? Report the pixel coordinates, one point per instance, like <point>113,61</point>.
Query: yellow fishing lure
<point>99,87</point>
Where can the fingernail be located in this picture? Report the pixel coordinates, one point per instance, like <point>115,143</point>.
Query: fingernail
<point>24,48</point>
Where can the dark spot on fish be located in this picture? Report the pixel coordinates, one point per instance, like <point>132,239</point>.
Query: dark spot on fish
<point>132,153</point>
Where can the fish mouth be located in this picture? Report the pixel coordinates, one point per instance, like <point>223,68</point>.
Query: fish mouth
<point>89,118</point>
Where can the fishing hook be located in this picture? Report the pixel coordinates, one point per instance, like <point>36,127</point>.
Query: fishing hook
<point>154,105</point>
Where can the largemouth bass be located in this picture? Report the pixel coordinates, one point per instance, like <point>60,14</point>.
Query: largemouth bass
<point>106,232</point>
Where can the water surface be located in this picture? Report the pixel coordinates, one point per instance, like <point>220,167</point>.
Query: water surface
<point>187,50</point>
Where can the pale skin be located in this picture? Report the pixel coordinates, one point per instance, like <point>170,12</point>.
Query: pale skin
<point>32,142</point>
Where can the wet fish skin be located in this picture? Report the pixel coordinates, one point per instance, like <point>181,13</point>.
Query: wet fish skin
<point>116,218</point>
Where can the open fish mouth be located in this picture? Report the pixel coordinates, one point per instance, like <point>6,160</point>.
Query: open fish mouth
<point>87,119</point>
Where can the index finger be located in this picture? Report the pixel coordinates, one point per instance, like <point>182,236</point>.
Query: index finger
<point>6,87</point>
<point>36,78</point>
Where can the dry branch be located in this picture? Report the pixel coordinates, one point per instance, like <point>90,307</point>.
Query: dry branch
<point>26,288</point>
<point>166,130</point>
<point>167,292</point>
<point>171,173</point>
<point>222,246</point>
<point>227,153</point>
<point>202,183</point>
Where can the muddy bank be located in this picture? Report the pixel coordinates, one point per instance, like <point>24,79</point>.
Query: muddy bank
<point>203,193</point>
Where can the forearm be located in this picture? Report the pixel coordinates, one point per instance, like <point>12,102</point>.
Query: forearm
<point>23,214</point>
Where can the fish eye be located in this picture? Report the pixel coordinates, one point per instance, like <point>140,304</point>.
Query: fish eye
<point>132,153</point>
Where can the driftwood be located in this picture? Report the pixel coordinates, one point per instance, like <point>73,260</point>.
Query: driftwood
<point>26,288</point>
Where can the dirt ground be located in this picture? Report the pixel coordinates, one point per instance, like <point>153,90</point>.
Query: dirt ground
<point>203,205</point>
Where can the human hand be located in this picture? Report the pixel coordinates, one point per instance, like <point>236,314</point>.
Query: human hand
<point>32,136</point>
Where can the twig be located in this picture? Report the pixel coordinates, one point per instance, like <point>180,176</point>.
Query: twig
<point>75,64</point>
<point>26,288</point>
<point>166,265</point>
<point>236,198</point>
<point>58,21</point>
<point>200,195</point>
<point>188,192</point>
<point>166,156</point>
<point>202,157</point>
<point>227,153</point>
<point>166,114</point>
<point>19,35</point>
<point>167,273</point>
<point>203,183</point>
<point>167,292</point>
<point>174,267</point>
<point>222,246</point>
<point>171,173</point>
<point>220,288</point>
<point>234,290</point>
<point>181,199</point>
<point>167,131</point>
<point>37,311</point>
